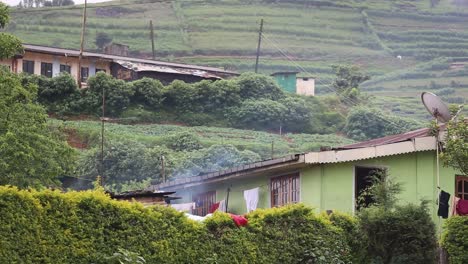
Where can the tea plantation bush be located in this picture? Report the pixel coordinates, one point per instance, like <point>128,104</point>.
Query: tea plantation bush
<point>87,227</point>
<point>455,239</point>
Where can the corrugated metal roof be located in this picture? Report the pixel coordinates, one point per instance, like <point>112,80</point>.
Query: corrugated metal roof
<point>423,132</point>
<point>75,53</point>
<point>144,67</point>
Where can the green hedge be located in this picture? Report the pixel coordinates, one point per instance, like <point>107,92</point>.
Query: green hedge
<point>455,239</point>
<point>86,227</point>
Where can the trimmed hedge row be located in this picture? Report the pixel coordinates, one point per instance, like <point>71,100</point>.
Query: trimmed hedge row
<point>86,227</point>
<point>455,239</point>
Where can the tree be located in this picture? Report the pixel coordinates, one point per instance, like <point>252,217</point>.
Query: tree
<point>256,86</point>
<point>258,114</point>
<point>365,123</point>
<point>10,45</point>
<point>346,84</point>
<point>32,154</point>
<point>148,92</point>
<point>455,153</point>
<point>102,39</point>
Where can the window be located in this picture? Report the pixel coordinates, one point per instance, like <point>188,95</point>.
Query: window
<point>364,178</point>
<point>461,187</point>
<point>305,79</point>
<point>46,69</point>
<point>100,70</point>
<point>28,67</point>
<point>84,74</point>
<point>285,190</point>
<point>203,202</point>
<point>65,68</point>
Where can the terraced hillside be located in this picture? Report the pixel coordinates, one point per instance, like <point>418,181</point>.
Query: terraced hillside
<point>305,35</point>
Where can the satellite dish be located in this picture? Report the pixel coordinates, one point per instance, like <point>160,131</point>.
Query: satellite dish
<point>436,107</point>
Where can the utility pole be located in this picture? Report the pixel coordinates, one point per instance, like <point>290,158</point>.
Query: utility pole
<point>102,135</point>
<point>152,38</point>
<point>83,28</point>
<point>163,169</point>
<point>259,42</point>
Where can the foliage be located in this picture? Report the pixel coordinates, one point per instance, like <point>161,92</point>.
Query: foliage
<point>455,239</point>
<point>10,44</point>
<point>184,141</point>
<point>258,114</point>
<point>256,86</point>
<point>32,155</point>
<point>346,84</point>
<point>396,233</point>
<point>218,95</point>
<point>182,97</point>
<point>455,152</point>
<point>117,94</point>
<point>365,123</point>
<point>126,257</point>
<point>102,39</point>
<point>148,92</point>
<point>87,227</point>
<point>352,232</point>
<point>383,190</point>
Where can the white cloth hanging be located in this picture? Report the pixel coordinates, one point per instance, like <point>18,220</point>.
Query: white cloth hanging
<point>251,198</point>
<point>222,206</point>
<point>185,207</point>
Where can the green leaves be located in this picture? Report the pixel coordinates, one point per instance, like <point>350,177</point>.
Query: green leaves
<point>32,155</point>
<point>455,152</point>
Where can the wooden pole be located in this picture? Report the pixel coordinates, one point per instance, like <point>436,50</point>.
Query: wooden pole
<point>163,169</point>
<point>102,135</point>
<point>83,28</point>
<point>152,38</point>
<point>227,199</point>
<point>259,43</point>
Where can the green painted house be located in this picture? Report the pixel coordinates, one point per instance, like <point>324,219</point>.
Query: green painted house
<point>327,180</point>
<point>286,80</point>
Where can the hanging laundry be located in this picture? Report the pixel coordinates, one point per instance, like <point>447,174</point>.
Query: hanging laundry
<point>185,207</point>
<point>251,199</point>
<point>462,207</point>
<point>239,220</point>
<point>453,206</point>
<point>214,207</point>
<point>222,206</point>
<point>444,198</point>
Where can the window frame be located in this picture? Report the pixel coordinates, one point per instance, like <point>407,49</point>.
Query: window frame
<point>27,63</point>
<point>47,67</point>
<point>464,192</point>
<point>84,78</point>
<point>64,67</point>
<point>293,192</point>
<point>355,179</point>
<point>208,198</point>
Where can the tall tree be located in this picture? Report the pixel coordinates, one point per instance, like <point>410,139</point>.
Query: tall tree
<point>10,45</point>
<point>455,153</point>
<point>102,39</point>
<point>32,154</point>
<point>346,84</point>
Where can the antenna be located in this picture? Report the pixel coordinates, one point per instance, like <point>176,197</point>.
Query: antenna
<point>436,107</point>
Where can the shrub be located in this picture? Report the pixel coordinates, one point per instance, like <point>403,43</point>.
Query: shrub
<point>88,227</point>
<point>182,97</point>
<point>455,239</point>
<point>117,94</point>
<point>184,141</point>
<point>258,114</point>
<point>148,92</point>
<point>256,86</point>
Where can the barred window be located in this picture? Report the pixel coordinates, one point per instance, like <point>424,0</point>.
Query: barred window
<point>203,202</point>
<point>46,69</point>
<point>285,190</point>
<point>65,68</point>
<point>28,67</point>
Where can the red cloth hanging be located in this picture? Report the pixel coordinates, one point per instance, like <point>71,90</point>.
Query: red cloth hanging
<point>462,207</point>
<point>214,207</point>
<point>239,220</point>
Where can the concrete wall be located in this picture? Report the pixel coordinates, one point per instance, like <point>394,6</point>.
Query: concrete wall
<point>56,60</point>
<point>331,186</point>
<point>305,86</point>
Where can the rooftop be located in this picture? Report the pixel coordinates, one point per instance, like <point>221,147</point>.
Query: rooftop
<point>76,53</point>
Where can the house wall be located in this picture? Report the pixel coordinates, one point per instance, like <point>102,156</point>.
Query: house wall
<point>287,82</point>
<point>331,186</point>
<point>305,86</point>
